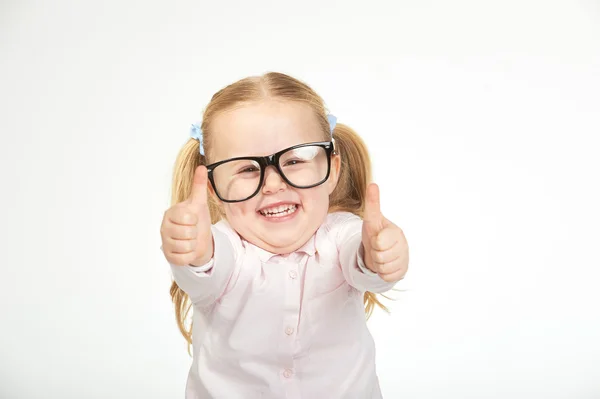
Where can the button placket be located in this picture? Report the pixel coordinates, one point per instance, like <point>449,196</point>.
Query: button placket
<point>294,291</point>
<point>292,272</point>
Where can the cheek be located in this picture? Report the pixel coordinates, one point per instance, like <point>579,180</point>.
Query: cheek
<point>316,198</point>
<point>238,210</point>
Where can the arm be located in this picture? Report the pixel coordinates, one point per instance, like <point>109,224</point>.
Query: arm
<point>206,283</point>
<point>351,255</point>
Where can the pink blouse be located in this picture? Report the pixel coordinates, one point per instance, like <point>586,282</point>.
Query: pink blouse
<point>283,326</point>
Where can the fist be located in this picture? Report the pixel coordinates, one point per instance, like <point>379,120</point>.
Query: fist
<point>385,247</point>
<point>185,230</point>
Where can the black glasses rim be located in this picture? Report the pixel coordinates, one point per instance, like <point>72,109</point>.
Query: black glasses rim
<point>324,144</point>
<point>262,160</point>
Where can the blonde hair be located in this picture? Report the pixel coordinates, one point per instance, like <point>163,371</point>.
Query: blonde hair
<point>355,172</point>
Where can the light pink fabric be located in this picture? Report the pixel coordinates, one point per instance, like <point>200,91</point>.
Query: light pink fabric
<point>273,326</point>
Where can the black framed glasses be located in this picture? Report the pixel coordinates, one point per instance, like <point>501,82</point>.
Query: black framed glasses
<point>301,166</point>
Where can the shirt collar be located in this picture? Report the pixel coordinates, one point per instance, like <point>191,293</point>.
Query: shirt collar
<point>308,248</point>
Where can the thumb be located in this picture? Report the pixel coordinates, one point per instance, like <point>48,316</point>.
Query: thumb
<point>373,218</point>
<point>198,196</point>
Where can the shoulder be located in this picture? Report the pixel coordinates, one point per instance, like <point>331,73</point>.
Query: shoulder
<point>341,224</point>
<point>222,230</point>
<point>340,219</point>
<point>335,232</point>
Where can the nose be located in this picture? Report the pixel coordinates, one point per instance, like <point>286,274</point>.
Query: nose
<point>273,181</point>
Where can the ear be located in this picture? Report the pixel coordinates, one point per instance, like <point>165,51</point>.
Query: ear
<point>334,174</point>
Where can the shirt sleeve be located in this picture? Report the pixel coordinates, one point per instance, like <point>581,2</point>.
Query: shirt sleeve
<point>207,283</point>
<point>356,273</point>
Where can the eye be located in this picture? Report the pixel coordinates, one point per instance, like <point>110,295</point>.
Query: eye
<point>249,169</point>
<point>292,162</point>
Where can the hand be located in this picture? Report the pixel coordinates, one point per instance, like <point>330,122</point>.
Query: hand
<point>385,247</point>
<point>185,230</point>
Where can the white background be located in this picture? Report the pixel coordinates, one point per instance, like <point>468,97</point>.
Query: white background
<point>483,120</point>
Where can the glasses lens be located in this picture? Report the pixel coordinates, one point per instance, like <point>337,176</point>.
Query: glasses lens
<point>236,180</point>
<point>305,166</point>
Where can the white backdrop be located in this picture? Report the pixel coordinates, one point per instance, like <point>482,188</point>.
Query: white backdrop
<point>483,120</point>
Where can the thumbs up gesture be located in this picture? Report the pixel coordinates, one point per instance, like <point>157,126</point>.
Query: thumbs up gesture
<point>185,230</point>
<point>385,247</point>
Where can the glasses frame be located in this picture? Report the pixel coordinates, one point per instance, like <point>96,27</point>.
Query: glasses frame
<point>273,160</point>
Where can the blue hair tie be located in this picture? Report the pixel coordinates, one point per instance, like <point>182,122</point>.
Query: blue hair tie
<point>332,122</point>
<point>196,131</point>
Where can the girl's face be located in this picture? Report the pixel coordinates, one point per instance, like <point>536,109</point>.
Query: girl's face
<point>263,128</point>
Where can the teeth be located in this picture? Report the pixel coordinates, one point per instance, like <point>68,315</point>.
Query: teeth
<point>279,210</point>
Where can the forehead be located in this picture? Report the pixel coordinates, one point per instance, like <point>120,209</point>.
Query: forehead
<point>263,128</point>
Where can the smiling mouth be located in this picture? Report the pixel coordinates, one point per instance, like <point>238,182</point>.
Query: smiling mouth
<point>278,211</point>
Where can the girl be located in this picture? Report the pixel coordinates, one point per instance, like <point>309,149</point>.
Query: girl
<point>272,254</point>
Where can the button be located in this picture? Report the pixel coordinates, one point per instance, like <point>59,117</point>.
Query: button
<point>289,330</point>
<point>293,274</point>
<point>287,373</point>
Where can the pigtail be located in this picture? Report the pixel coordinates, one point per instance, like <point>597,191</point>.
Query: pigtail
<point>350,192</point>
<point>188,159</point>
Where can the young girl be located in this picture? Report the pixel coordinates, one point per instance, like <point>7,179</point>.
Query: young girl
<point>273,254</point>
